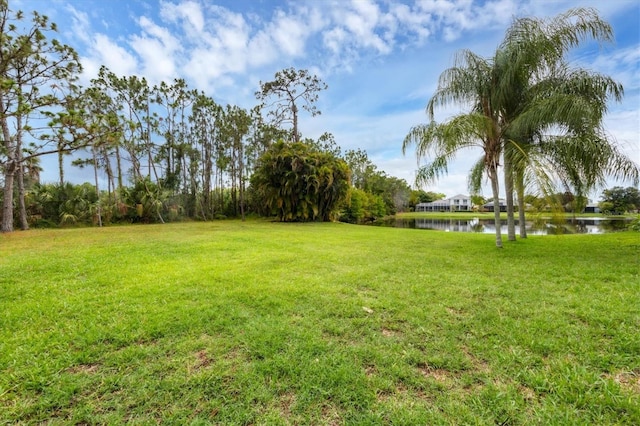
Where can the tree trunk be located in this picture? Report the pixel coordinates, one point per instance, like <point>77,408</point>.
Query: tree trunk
<point>61,165</point>
<point>119,168</point>
<point>495,188</point>
<point>521,206</point>
<point>508,189</point>
<point>19,172</point>
<point>7,204</point>
<point>95,175</point>
<point>24,223</point>
<point>241,183</point>
<point>234,180</point>
<point>9,169</point>
<point>206,178</point>
<point>294,111</point>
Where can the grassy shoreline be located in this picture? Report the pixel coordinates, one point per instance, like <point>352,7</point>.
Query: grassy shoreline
<point>270,323</point>
<point>529,215</point>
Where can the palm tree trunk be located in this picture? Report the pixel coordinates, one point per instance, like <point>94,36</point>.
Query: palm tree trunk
<point>495,188</point>
<point>521,205</point>
<point>508,189</point>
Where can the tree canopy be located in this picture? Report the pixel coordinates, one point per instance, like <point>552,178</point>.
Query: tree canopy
<point>299,183</point>
<point>618,200</point>
<point>282,96</point>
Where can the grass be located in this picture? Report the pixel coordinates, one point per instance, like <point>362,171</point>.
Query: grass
<point>269,323</point>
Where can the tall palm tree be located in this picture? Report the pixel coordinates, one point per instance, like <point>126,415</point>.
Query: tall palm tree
<point>541,94</point>
<point>519,96</point>
<point>470,81</point>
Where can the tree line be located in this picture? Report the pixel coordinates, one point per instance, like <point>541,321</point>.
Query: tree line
<point>167,152</point>
<point>164,152</point>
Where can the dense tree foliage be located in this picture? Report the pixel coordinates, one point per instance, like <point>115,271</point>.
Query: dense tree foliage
<point>166,152</point>
<point>281,97</point>
<point>35,73</point>
<point>618,200</point>
<point>374,194</point>
<point>160,152</point>
<point>163,152</point>
<point>297,182</point>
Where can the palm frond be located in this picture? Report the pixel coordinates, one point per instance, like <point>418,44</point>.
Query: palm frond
<point>476,173</point>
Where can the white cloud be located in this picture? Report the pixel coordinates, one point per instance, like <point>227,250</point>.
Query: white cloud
<point>381,58</point>
<point>289,33</point>
<point>103,51</point>
<point>158,51</point>
<point>189,11</point>
<point>81,24</point>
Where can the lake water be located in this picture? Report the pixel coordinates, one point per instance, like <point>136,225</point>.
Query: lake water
<point>537,227</point>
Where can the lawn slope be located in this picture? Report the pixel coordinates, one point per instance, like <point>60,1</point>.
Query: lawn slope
<point>270,323</point>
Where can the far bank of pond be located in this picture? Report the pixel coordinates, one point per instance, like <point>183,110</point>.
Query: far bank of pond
<point>538,226</point>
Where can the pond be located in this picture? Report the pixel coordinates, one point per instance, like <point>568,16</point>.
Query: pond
<point>534,227</point>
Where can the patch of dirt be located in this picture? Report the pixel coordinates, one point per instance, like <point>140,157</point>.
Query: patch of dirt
<point>83,369</point>
<point>628,380</point>
<point>203,360</point>
<point>370,370</point>
<point>455,311</point>
<point>234,353</point>
<point>473,388</point>
<point>478,364</point>
<point>438,374</point>
<point>384,395</point>
<point>331,415</point>
<point>528,393</point>
<point>389,333</point>
<point>287,401</point>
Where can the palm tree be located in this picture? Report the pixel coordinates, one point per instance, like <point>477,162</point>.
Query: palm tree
<point>518,96</point>
<point>539,93</point>
<point>472,80</point>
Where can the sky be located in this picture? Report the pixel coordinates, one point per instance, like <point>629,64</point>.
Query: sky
<point>380,59</point>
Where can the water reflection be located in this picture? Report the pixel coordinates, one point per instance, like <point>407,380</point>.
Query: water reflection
<point>534,227</point>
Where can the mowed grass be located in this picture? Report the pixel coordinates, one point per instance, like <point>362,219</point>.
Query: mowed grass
<point>269,323</point>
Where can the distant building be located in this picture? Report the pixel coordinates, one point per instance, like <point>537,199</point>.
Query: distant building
<point>592,208</point>
<point>489,206</point>
<point>459,203</point>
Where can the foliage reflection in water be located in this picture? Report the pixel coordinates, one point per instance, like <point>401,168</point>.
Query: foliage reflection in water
<point>534,227</point>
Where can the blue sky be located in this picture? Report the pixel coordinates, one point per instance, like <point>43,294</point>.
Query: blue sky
<point>380,59</point>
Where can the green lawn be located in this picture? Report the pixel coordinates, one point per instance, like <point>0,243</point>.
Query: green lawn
<point>270,323</point>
